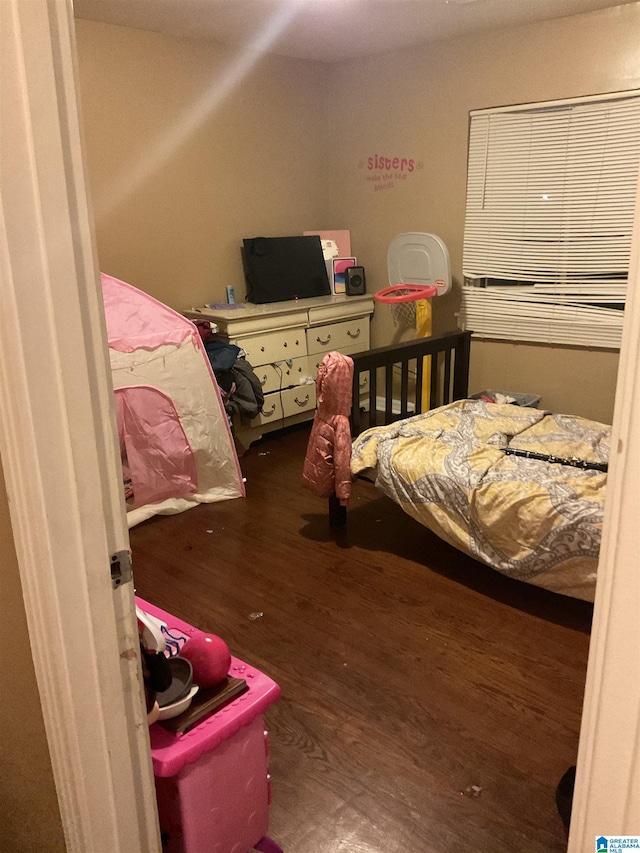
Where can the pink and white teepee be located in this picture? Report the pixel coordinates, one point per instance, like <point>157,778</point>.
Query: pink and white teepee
<point>175,440</point>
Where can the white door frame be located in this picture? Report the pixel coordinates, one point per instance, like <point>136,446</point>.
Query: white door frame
<point>59,449</point>
<point>607,793</point>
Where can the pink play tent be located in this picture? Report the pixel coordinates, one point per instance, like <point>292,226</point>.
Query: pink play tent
<point>175,441</point>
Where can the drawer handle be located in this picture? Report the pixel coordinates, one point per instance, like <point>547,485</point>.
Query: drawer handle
<point>270,412</point>
<point>302,403</point>
<point>263,381</point>
<point>324,343</point>
<point>364,381</point>
<point>261,349</point>
<point>285,343</point>
<point>356,335</point>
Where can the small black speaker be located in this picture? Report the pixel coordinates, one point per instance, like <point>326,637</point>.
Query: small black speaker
<point>354,281</point>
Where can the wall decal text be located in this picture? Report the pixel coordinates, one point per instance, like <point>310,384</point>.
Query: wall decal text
<point>383,172</point>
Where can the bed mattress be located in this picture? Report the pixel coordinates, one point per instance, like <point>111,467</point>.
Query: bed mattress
<point>533,520</point>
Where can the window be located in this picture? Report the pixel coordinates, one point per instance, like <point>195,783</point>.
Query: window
<point>550,202</point>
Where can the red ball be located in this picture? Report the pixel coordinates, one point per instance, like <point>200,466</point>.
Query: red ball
<point>210,658</point>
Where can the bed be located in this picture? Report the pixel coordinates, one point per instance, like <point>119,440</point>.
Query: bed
<point>517,488</point>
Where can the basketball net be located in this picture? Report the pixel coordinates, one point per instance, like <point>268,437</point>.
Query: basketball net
<point>404,314</point>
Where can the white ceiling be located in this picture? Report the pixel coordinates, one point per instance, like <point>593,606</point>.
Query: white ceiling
<point>328,30</point>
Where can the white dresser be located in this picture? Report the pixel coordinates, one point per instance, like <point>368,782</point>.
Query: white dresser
<point>285,342</point>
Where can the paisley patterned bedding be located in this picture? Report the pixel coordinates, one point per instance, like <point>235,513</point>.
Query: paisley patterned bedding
<point>533,520</point>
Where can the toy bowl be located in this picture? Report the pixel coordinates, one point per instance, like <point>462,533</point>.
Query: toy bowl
<point>169,711</point>
<point>181,680</point>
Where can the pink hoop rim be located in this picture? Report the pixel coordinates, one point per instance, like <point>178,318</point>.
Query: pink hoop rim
<point>416,292</point>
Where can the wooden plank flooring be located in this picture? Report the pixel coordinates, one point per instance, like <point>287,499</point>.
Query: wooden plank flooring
<point>409,672</point>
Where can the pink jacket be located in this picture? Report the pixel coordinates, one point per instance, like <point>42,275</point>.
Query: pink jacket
<point>326,468</point>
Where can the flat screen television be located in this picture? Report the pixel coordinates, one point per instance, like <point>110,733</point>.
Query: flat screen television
<point>281,268</point>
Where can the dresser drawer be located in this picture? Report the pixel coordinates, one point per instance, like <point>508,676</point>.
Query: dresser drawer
<point>274,378</point>
<point>296,401</point>
<point>338,336</point>
<point>271,411</point>
<point>273,346</point>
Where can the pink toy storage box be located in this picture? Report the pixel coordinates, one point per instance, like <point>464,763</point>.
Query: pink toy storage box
<point>212,782</point>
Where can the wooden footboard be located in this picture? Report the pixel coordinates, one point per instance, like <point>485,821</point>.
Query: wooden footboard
<point>388,382</point>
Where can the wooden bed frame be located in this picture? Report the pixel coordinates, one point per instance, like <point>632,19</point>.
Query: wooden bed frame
<point>559,551</point>
<point>389,400</point>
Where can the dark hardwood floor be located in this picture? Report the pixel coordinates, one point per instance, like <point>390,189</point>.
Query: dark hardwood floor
<point>409,672</point>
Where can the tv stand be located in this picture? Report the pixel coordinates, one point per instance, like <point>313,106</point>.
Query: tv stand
<point>285,342</point>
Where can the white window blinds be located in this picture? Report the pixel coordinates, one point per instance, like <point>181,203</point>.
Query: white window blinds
<point>550,203</point>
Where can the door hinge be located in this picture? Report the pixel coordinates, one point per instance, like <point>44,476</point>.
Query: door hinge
<point>121,568</point>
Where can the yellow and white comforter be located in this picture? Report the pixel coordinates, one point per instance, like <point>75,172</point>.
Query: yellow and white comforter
<point>533,520</point>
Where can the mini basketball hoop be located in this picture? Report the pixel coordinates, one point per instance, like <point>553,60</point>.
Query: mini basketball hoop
<point>403,299</point>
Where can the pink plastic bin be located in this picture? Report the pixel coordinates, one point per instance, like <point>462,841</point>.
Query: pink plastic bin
<point>212,783</point>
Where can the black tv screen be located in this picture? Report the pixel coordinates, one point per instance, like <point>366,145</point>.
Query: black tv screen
<point>281,268</point>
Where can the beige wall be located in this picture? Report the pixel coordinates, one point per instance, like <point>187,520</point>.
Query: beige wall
<point>570,380</point>
<point>191,148</point>
<point>415,104</point>
<point>179,175</point>
<point>30,819</point>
